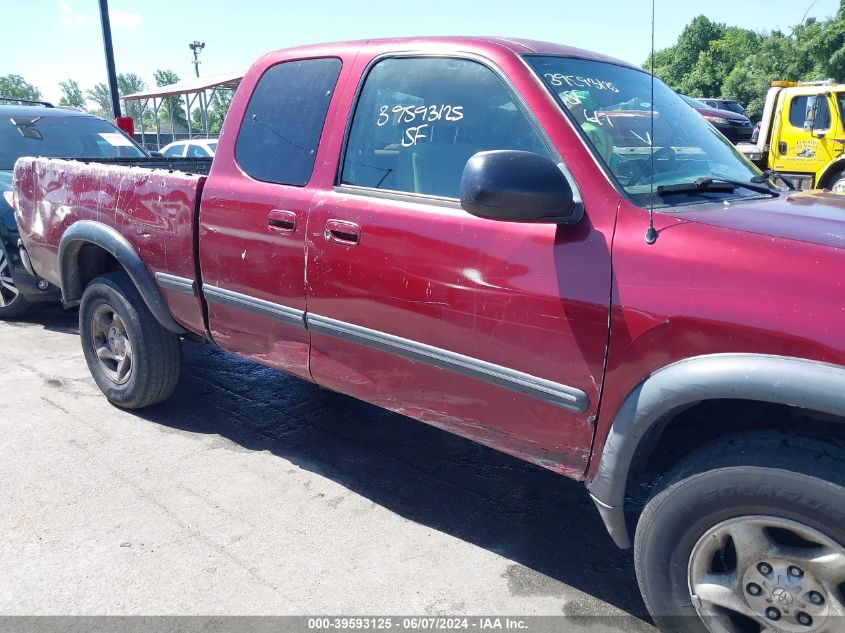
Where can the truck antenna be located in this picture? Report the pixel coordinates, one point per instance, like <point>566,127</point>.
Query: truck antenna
<point>651,233</point>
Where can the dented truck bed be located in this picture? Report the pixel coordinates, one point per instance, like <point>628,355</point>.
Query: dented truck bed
<point>154,209</point>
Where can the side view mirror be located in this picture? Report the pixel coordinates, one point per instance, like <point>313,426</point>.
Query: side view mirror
<point>156,154</point>
<point>821,117</point>
<point>516,186</point>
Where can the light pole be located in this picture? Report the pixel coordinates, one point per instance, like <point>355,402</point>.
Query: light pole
<point>197,48</point>
<point>106,25</point>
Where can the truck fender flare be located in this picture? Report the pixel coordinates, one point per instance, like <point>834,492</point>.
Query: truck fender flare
<point>87,232</point>
<point>832,168</point>
<point>774,379</point>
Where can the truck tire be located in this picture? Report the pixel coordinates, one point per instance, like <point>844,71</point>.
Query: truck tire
<point>836,183</point>
<point>133,359</point>
<point>12,302</point>
<point>747,534</point>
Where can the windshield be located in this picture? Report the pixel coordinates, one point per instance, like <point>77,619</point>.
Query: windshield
<point>62,136</point>
<point>733,106</point>
<point>611,105</point>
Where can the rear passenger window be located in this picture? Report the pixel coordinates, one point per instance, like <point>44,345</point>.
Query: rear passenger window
<point>283,122</point>
<point>419,120</point>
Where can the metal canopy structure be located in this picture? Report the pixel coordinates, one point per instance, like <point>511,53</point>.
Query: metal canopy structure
<point>198,93</point>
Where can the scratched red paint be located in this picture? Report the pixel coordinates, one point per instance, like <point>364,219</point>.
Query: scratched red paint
<point>535,298</point>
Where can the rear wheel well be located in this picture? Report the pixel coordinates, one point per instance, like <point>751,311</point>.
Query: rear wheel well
<point>682,432</point>
<point>88,260</point>
<point>93,261</point>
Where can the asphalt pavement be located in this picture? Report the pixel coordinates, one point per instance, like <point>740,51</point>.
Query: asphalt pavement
<point>253,492</point>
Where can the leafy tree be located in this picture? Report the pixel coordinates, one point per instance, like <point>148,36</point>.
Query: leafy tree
<point>218,109</point>
<point>71,94</point>
<point>711,59</point>
<point>173,108</point>
<point>218,106</point>
<point>674,64</point>
<point>101,95</point>
<point>705,54</point>
<point>127,84</point>
<point>749,81</point>
<point>16,87</point>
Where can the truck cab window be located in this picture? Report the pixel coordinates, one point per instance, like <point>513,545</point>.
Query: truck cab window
<point>418,121</point>
<point>283,122</point>
<point>802,110</point>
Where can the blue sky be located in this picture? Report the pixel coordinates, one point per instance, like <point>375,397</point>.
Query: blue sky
<point>48,41</point>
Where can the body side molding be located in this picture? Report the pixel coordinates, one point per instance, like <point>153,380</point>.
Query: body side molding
<point>177,284</point>
<point>563,396</point>
<point>261,307</point>
<point>89,232</point>
<point>776,379</point>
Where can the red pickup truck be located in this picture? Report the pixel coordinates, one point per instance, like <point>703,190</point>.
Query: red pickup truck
<point>458,229</point>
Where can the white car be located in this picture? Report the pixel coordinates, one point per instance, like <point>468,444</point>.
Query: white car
<point>199,148</point>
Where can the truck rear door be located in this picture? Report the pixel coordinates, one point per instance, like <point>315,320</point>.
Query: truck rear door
<point>254,207</point>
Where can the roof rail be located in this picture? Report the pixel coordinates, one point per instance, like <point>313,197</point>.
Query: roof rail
<point>46,104</point>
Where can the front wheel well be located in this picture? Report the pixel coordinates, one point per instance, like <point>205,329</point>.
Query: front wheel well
<point>682,432</point>
<point>830,175</point>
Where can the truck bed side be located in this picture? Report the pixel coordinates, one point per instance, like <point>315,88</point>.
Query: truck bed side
<point>155,210</point>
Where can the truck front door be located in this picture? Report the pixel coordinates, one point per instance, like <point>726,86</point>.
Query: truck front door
<point>493,330</point>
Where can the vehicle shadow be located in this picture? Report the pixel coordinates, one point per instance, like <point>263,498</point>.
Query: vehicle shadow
<point>542,521</point>
<point>51,316</point>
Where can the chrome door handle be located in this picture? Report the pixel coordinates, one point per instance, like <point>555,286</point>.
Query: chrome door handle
<point>281,221</point>
<point>342,232</point>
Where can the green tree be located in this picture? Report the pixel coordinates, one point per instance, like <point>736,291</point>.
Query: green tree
<point>705,54</point>
<point>218,109</point>
<point>218,106</point>
<point>100,95</point>
<point>127,84</point>
<point>71,94</point>
<point>16,87</point>
<point>776,59</point>
<point>711,59</point>
<point>130,83</point>
<point>674,64</point>
<point>173,108</point>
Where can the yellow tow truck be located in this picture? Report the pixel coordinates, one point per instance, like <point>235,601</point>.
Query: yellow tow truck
<point>802,134</point>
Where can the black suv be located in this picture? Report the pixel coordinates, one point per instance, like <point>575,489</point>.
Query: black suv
<point>43,130</point>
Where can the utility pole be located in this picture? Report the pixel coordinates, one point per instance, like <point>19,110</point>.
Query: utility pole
<point>197,48</point>
<point>107,46</point>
